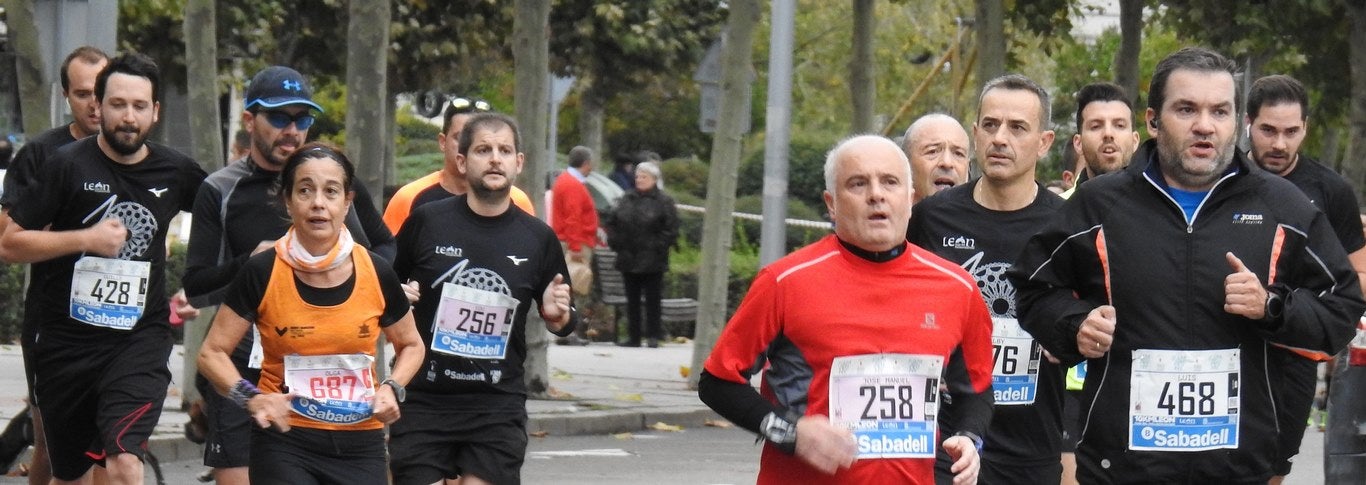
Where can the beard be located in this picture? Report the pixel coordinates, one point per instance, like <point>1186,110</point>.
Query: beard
<point>1170,153</point>
<point>482,191</point>
<point>118,139</point>
<point>267,150</point>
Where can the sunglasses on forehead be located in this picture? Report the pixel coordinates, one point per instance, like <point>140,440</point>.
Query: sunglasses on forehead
<point>466,105</point>
<point>281,119</point>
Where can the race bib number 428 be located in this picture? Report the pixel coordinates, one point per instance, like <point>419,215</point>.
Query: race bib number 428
<point>109,293</point>
<point>889,401</point>
<point>1184,400</point>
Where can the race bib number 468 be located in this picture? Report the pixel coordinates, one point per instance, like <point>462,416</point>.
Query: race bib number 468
<point>1184,400</point>
<point>889,401</point>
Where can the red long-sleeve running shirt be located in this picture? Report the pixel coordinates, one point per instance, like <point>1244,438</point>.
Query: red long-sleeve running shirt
<point>822,302</point>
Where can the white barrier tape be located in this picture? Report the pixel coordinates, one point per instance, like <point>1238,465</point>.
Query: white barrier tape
<point>755,217</point>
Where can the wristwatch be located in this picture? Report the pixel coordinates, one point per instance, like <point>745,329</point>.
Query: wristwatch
<point>781,431</point>
<point>399,392</point>
<point>1275,305</point>
<point>976,440</point>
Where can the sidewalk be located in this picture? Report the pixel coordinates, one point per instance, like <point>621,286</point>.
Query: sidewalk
<point>601,389</point>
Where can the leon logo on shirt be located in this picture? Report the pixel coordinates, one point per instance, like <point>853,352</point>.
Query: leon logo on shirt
<point>960,242</point>
<point>451,251</point>
<point>100,187</point>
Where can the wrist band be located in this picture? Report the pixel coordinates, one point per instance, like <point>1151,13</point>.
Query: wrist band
<point>242,392</point>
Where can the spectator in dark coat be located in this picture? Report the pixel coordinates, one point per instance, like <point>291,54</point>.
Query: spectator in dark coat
<point>641,229</point>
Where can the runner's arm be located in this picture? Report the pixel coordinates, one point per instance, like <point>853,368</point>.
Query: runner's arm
<point>381,239</point>
<point>215,361</point>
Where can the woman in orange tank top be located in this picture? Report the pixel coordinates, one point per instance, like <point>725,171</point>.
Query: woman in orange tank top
<point>319,303</point>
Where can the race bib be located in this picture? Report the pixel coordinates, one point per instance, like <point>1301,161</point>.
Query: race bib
<point>1015,377</point>
<point>889,401</point>
<point>109,293</point>
<point>1184,400</point>
<point>337,389</point>
<point>472,323</point>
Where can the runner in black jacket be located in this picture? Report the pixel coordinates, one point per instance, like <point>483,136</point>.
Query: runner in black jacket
<point>1173,277</point>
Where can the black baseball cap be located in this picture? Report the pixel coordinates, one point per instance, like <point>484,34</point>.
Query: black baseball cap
<point>277,86</point>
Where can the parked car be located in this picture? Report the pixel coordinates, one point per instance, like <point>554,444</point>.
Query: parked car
<point>1344,441</point>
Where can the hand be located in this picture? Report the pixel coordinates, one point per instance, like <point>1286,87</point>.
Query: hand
<point>826,447</point>
<point>412,290</point>
<point>182,307</point>
<point>1097,332</point>
<point>555,300</point>
<point>262,246</point>
<point>1051,359</point>
<point>270,409</point>
<point>1243,291</point>
<point>386,405</point>
<point>106,237</point>
<point>966,462</point>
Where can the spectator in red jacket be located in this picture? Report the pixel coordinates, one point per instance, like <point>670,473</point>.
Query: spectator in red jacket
<point>574,218</point>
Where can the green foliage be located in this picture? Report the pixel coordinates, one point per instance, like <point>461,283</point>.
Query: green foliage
<point>806,172</point>
<point>686,259</point>
<point>796,236</point>
<point>622,44</point>
<point>11,301</point>
<point>685,176</point>
<point>411,167</point>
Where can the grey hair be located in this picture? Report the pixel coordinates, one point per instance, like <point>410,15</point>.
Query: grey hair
<point>652,168</point>
<point>836,153</point>
<point>1017,82</point>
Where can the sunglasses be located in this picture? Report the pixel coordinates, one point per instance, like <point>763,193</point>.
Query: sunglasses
<point>465,105</point>
<point>281,119</point>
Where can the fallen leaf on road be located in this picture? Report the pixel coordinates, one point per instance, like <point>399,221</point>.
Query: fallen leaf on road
<point>624,436</point>
<point>684,370</point>
<point>681,340</point>
<point>717,423</point>
<point>538,434</point>
<point>630,397</point>
<point>558,394</point>
<point>561,374</point>
<point>660,426</point>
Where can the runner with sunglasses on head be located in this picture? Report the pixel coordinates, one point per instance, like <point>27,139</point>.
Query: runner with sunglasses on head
<point>448,181</point>
<point>235,217</point>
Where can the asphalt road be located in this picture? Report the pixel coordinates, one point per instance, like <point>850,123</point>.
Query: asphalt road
<point>701,456</point>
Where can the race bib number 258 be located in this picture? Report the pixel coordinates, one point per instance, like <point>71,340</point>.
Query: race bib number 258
<point>889,402</point>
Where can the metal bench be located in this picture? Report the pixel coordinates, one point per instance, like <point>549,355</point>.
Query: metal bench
<point>678,315</point>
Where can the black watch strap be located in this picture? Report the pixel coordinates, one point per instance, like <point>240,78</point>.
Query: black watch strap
<point>400,393</point>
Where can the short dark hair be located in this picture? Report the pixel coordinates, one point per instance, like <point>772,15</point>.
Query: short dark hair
<point>87,54</point>
<point>133,64</point>
<point>310,151</point>
<point>1100,93</point>
<point>1188,58</point>
<point>492,121</point>
<point>1017,82</point>
<point>1276,89</point>
<point>579,155</point>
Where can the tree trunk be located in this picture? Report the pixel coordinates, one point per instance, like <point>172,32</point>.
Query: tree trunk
<point>35,100</point>
<point>592,107</point>
<point>862,86</point>
<point>717,227</point>
<point>531,54</point>
<point>991,40</point>
<point>206,137</point>
<point>1356,116</point>
<point>1130,44</point>
<point>367,57</point>
<point>201,66</point>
